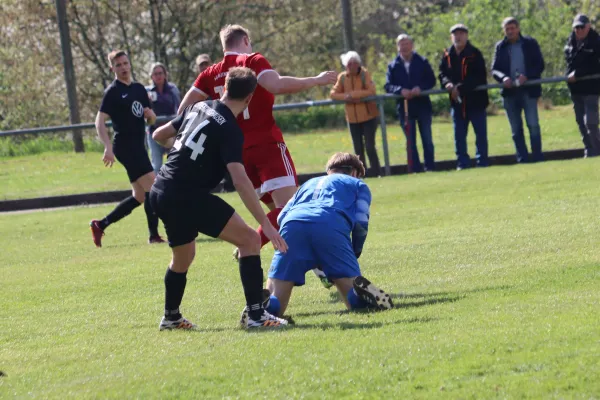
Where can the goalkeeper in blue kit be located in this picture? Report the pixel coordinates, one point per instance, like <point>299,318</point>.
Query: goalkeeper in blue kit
<point>325,224</point>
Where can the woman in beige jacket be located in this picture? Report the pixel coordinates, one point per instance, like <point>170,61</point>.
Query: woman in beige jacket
<point>352,85</point>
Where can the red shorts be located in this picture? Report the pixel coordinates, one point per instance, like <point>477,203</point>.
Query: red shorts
<point>269,166</point>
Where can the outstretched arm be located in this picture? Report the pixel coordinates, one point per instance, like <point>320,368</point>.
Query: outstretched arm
<point>277,84</point>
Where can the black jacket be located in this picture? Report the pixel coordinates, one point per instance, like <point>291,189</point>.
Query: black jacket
<point>534,64</point>
<point>584,60</point>
<point>468,69</point>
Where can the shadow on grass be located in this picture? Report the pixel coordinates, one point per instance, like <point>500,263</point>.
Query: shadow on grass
<point>460,293</point>
<point>426,301</point>
<point>354,325</point>
<point>142,243</point>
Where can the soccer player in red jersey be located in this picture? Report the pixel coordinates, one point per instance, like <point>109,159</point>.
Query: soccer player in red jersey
<point>266,158</point>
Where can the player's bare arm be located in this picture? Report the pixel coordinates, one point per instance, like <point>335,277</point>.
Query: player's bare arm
<point>278,84</point>
<point>165,135</point>
<point>246,191</point>
<point>150,116</point>
<point>108,157</point>
<point>191,97</point>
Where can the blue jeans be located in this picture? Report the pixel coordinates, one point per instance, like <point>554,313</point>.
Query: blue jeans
<point>478,118</point>
<point>423,119</point>
<point>514,105</point>
<point>156,154</point>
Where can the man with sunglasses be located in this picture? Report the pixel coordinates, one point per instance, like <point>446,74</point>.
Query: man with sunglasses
<point>582,54</point>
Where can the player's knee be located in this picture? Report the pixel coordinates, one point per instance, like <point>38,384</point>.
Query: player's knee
<point>182,259</point>
<point>139,195</point>
<point>250,242</point>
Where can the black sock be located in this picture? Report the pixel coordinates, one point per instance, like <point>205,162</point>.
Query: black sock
<point>252,279</point>
<point>122,210</point>
<point>174,288</point>
<point>151,217</point>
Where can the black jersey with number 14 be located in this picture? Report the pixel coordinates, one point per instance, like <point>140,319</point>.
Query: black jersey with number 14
<point>208,139</point>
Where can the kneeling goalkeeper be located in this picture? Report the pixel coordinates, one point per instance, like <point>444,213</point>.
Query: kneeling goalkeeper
<point>326,224</point>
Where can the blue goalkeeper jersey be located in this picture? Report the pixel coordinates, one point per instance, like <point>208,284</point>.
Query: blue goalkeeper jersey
<point>340,200</point>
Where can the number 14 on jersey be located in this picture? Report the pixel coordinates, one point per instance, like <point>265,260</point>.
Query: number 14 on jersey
<point>196,147</point>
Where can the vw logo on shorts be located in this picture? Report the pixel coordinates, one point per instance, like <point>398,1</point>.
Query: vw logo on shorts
<point>137,109</point>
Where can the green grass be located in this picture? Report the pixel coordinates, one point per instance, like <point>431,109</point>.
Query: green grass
<point>495,272</point>
<point>56,173</point>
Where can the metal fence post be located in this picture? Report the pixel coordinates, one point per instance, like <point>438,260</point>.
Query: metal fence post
<point>386,153</point>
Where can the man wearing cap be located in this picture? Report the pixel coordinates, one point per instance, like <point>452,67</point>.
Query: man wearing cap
<point>203,61</point>
<point>582,54</point>
<point>408,74</point>
<point>462,68</point>
<point>518,58</point>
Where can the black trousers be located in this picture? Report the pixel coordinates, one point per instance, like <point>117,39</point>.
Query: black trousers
<point>363,136</point>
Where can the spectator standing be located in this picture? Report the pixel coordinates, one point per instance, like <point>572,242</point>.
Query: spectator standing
<point>407,75</point>
<point>165,99</point>
<point>462,68</point>
<point>582,54</point>
<point>518,58</point>
<point>352,85</point>
<point>203,61</point>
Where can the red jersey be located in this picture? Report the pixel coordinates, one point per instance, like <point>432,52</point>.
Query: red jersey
<point>257,120</point>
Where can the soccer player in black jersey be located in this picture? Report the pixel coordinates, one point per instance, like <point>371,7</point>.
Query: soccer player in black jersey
<point>206,141</point>
<point>126,103</point>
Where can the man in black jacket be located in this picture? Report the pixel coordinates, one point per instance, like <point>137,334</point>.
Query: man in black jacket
<point>582,54</point>
<point>462,68</point>
<point>517,59</point>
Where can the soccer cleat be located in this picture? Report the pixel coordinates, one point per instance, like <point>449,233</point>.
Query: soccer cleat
<point>156,239</point>
<point>266,301</point>
<point>266,321</point>
<point>97,232</point>
<point>372,294</point>
<point>181,323</point>
<point>322,277</point>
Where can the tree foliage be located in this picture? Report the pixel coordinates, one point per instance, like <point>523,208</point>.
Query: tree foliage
<point>299,37</point>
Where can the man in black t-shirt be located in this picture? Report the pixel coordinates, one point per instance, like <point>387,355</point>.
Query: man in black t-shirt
<point>206,141</point>
<point>126,103</point>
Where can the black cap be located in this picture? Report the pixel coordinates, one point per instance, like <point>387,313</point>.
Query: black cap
<point>580,20</point>
<point>459,27</point>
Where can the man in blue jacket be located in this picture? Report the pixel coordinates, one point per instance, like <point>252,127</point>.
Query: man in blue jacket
<point>408,74</point>
<point>518,58</point>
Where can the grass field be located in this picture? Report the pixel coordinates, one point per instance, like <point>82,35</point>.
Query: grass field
<point>56,173</point>
<point>495,273</point>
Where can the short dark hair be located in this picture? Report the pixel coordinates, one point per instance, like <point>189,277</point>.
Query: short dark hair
<point>231,35</point>
<point>113,55</point>
<point>240,83</point>
<point>345,163</point>
<point>508,21</point>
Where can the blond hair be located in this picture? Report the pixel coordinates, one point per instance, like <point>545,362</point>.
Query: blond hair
<point>232,35</point>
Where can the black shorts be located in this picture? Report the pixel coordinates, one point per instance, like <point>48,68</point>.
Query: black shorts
<point>185,216</point>
<point>135,160</point>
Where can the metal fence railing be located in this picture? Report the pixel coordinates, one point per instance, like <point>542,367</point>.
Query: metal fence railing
<point>379,99</point>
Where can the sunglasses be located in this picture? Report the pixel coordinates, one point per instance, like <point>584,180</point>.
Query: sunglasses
<point>579,27</point>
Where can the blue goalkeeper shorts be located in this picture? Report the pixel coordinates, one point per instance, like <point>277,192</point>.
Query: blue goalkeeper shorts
<point>312,244</point>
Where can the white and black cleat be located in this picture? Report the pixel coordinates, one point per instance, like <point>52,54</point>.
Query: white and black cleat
<point>370,293</point>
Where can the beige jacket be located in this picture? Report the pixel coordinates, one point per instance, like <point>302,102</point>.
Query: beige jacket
<point>356,87</point>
